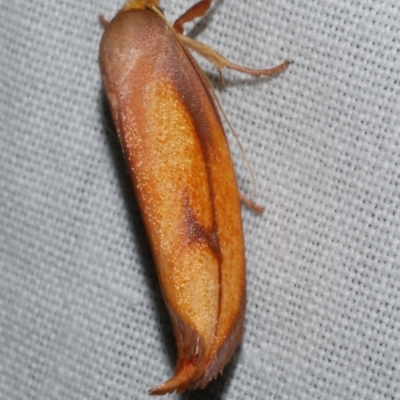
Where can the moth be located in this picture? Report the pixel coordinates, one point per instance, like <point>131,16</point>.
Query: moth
<point>169,125</point>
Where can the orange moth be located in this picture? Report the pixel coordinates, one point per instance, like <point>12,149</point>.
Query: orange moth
<point>168,122</point>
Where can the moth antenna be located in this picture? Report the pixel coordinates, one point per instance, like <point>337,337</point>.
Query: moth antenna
<point>242,150</point>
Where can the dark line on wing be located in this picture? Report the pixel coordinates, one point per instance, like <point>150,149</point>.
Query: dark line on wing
<point>191,102</point>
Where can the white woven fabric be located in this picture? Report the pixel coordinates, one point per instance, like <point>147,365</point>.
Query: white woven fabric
<point>81,315</point>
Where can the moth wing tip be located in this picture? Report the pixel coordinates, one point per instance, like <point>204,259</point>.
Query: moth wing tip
<point>179,383</point>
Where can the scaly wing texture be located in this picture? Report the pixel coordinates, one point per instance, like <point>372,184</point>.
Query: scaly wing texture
<point>183,176</point>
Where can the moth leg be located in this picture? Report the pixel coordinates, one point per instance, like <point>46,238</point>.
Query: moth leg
<point>103,21</point>
<point>259,72</point>
<point>220,62</point>
<point>251,204</point>
<point>197,10</point>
